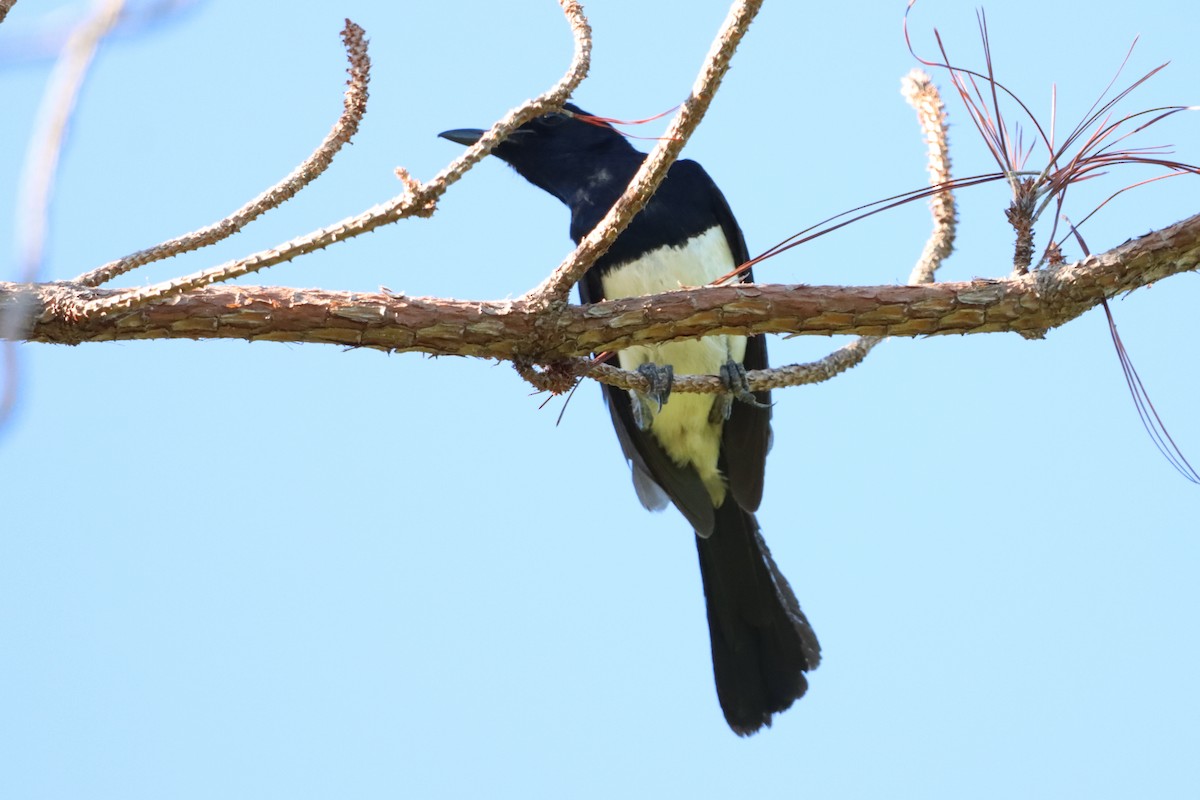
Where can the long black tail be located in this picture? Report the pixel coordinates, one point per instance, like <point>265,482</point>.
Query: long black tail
<point>761,643</point>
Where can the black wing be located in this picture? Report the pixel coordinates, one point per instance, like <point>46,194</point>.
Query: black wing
<point>746,437</point>
<point>652,465</point>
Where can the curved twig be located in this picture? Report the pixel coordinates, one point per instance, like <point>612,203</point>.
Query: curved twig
<point>554,290</point>
<point>41,168</point>
<point>354,107</point>
<point>920,92</point>
<point>417,200</point>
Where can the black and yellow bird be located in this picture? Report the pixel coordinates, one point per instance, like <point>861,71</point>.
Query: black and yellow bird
<point>705,454</point>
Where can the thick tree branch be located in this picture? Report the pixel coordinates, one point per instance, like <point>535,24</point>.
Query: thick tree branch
<point>1028,304</point>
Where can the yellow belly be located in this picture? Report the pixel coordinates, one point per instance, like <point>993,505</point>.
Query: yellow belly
<point>683,427</point>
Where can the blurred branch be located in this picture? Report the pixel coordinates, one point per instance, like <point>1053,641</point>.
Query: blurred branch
<point>42,33</point>
<point>50,131</point>
<point>5,7</point>
<point>36,188</point>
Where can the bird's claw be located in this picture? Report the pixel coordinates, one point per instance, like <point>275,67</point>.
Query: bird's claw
<point>733,377</point>
<point>660,379</point>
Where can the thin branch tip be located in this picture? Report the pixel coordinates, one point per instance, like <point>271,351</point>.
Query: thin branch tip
<point>354,107</point>
<point>554,290</point>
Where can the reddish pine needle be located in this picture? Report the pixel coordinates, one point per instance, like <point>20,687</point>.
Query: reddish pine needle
<point>1153,424</point>
<point>1147,413</point>
<point>1094,139</point>
<point>612,122</point>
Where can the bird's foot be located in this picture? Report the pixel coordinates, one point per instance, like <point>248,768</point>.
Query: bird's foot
<point>737,387</point>
<point>647,404</point>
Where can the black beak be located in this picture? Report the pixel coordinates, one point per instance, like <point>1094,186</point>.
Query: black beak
<point>467,136</point>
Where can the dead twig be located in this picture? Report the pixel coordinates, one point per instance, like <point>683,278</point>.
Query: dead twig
<point>416,200</point>
<point>554,290</point>
<point>354,107</point>
<point>920,92</point>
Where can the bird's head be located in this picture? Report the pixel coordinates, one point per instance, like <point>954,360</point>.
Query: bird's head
<point>563,152</point>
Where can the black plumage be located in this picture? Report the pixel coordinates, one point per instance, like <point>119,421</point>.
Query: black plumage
<point>761,642</point>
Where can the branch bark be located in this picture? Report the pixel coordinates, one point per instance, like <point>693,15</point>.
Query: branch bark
<point>1029,304</point>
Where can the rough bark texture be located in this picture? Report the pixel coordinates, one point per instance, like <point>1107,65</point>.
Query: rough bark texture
<point>1028,304</point>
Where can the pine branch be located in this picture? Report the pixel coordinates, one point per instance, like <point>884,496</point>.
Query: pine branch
<point>1029,304</point>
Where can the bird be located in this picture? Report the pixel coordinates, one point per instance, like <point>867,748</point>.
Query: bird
<point>703,453</point>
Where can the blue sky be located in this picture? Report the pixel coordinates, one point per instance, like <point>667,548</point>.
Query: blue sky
<point>291,571</point>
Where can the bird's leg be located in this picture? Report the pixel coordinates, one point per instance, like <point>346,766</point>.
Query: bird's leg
<point>660,379</point>
<point>737,387</point>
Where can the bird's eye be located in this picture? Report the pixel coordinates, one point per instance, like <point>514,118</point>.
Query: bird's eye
<point>552,120</point>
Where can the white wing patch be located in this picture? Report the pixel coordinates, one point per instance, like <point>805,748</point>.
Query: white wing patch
<point>683,427</point>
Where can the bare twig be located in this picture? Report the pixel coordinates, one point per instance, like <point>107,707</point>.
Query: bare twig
<point>547,101</point>
<point>551,295</point>
<point>554,290</point>
<point>823,369</point>
<point>418,202</point>
<point>918,89</point>
<point>50,130</point>
<point>5,7</point>
<point>354,107</point>
<point>920,92</point>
